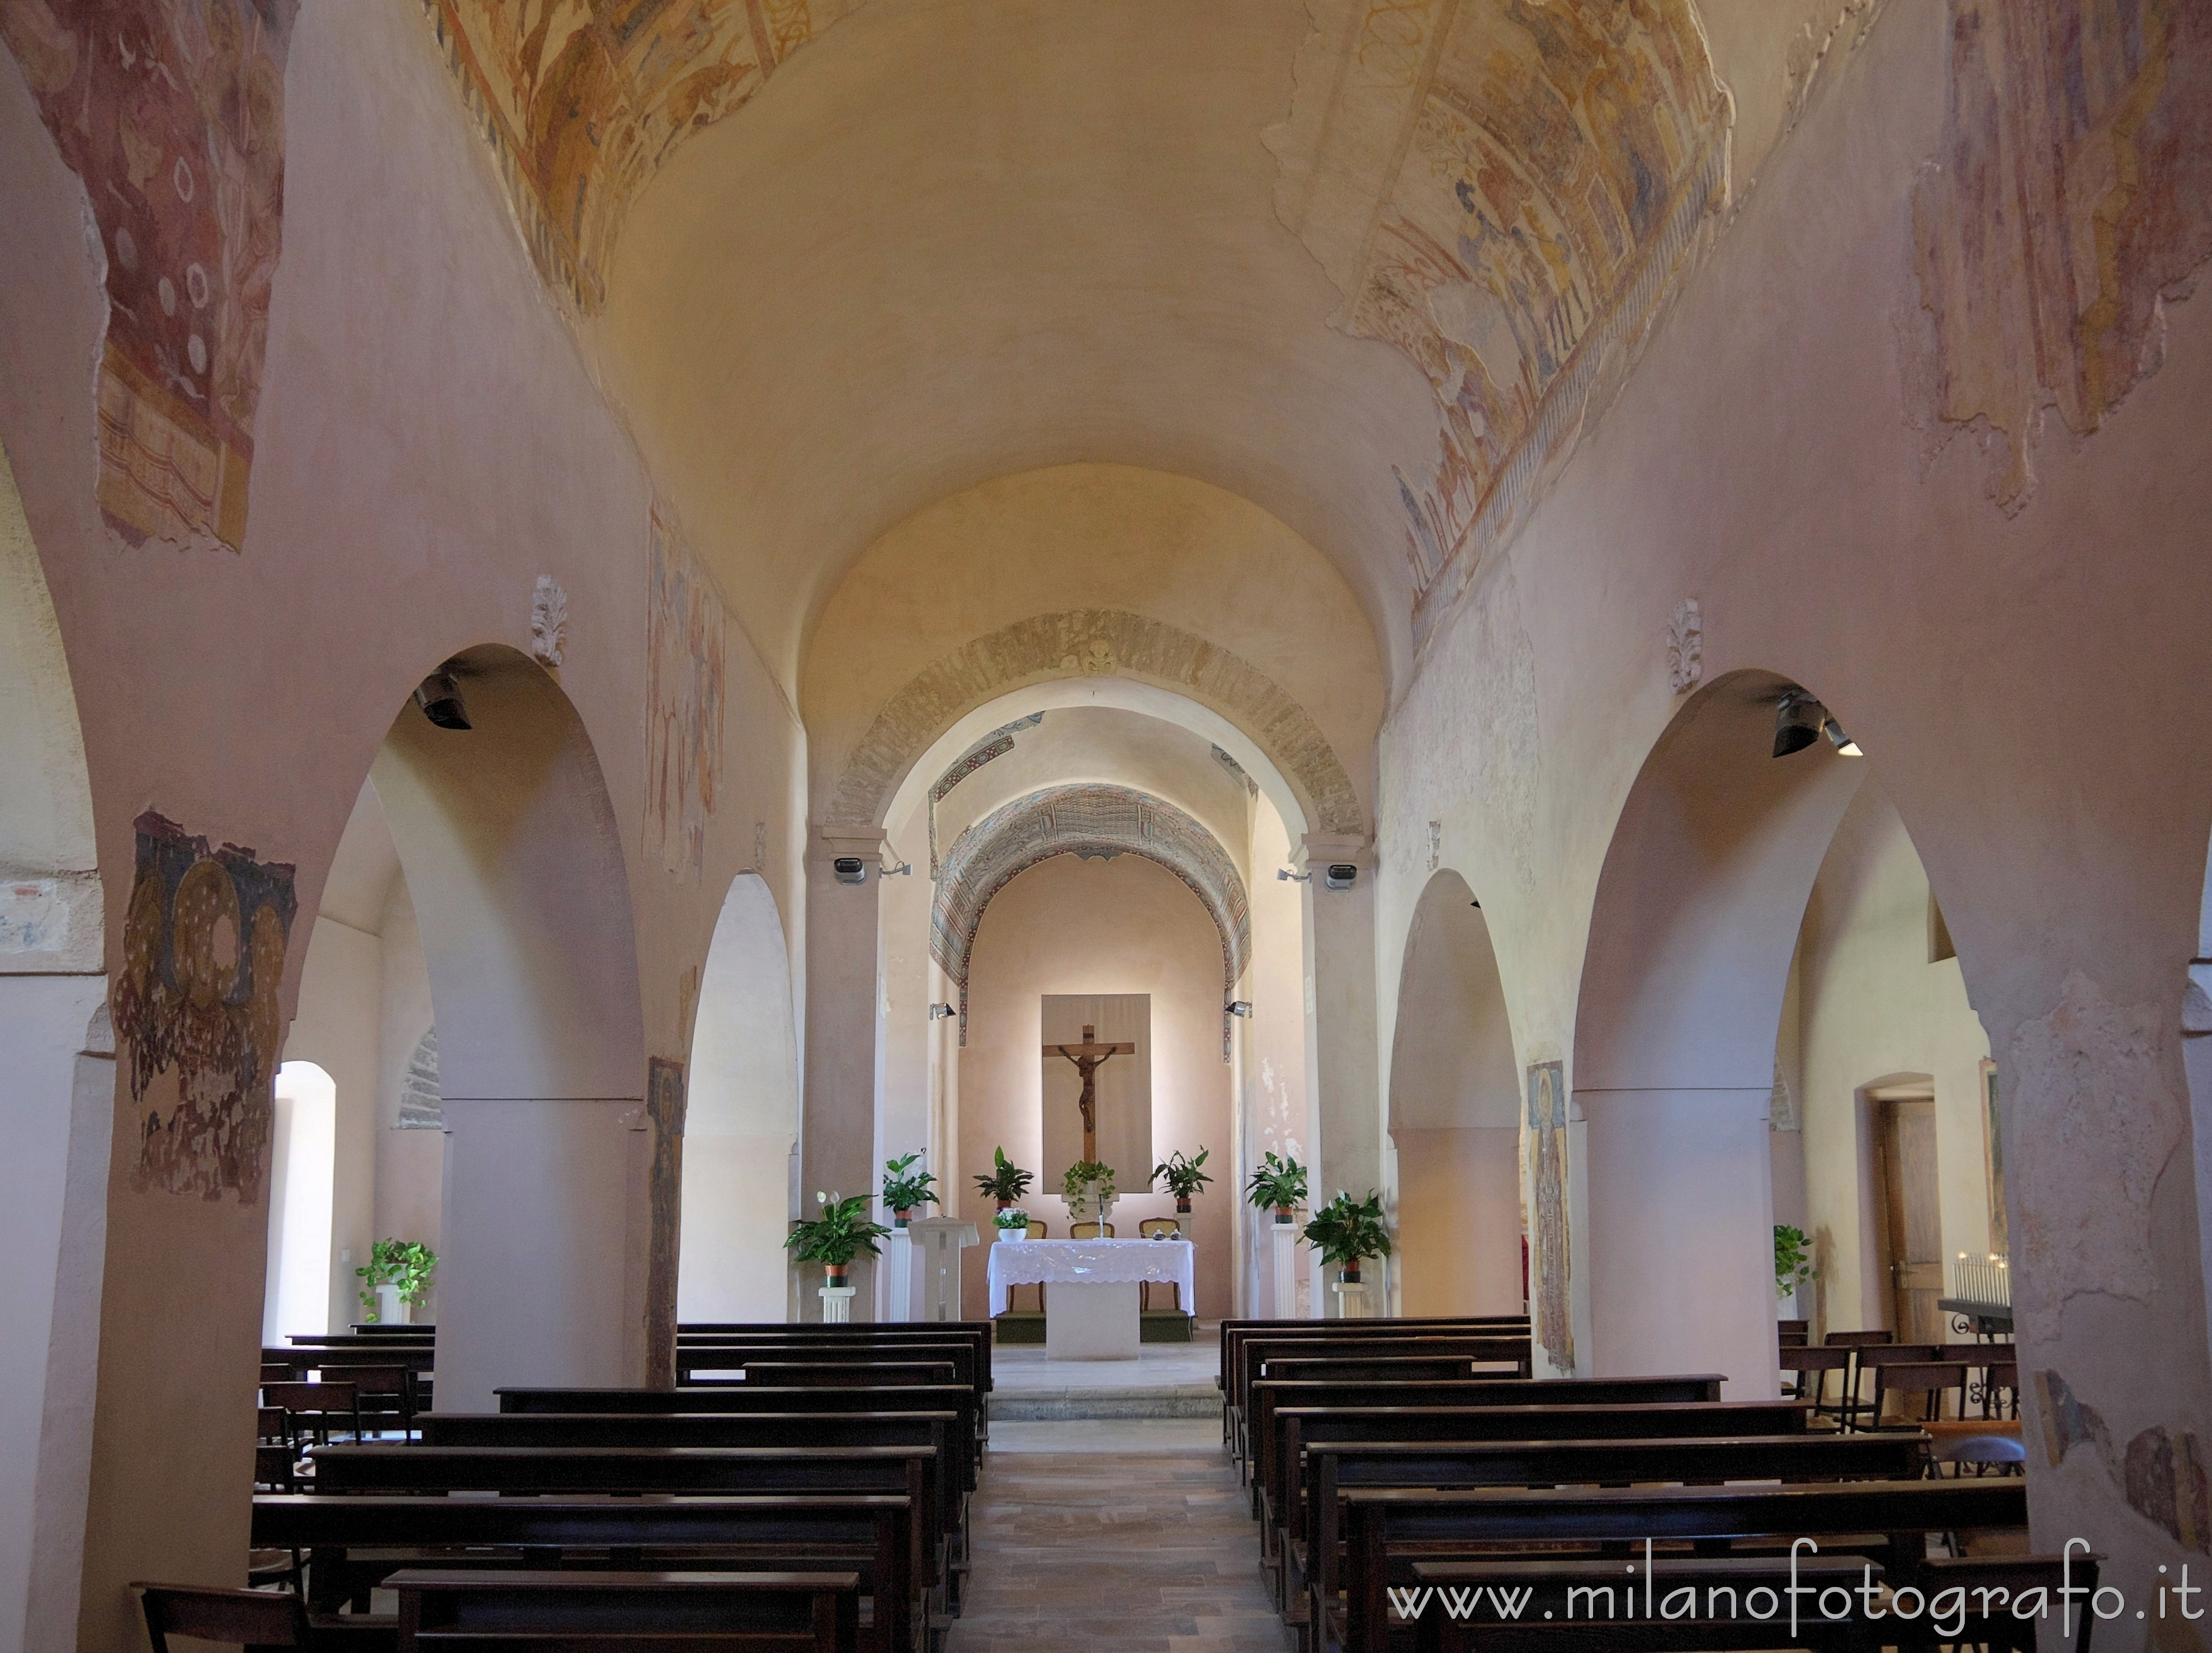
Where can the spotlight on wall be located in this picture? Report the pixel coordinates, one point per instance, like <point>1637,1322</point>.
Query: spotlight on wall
<point>850,869</point>
<point>1289,877</point>
<point>1797,722</point>
<point>1342,875</point>
<point>1240,1007</point>
<point>440,697</point>
<point>1844,746</point>
<point>939,1012</point>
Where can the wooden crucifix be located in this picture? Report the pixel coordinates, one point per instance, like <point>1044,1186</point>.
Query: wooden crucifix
<point>1088,1057</point>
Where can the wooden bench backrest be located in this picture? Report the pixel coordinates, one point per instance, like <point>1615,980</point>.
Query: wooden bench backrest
<point>770,1612</point>
<point>807,1374</point>
<point>1254,1354</point>
<point>1234,1331</point>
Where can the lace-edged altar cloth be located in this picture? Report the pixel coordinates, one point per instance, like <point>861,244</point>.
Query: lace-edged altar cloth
<point>1093,1262</point>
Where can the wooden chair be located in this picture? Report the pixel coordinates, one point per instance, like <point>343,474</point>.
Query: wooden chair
<point>1090,1230</point>
<point>1036,1230</point>
<point>1817,1364</point>
<point>1793,1332</point>
<point>309,1408</point>
<point>1930,1380</point>
<point>1855,1341</point>
<point>251,1618</point>
<point>393,1388</point>
<point>1148,1228</point>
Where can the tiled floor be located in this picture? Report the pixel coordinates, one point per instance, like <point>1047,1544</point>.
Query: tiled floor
<point>1123,1536</point>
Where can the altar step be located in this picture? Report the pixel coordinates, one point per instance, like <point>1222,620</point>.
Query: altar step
<point>1059,1406</point>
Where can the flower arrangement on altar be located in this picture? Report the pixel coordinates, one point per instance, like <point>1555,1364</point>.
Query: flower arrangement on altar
<point>1013,1224</point>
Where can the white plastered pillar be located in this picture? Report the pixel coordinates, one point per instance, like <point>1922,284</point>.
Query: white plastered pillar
<point>1343,1115</point>
<point>844,1043</point>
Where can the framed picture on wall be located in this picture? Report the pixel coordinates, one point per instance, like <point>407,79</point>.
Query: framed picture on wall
<point>1993,1155</point>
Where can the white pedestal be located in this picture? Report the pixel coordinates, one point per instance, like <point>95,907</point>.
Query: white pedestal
<point>1284,1238</point>
<point>1351,1300</point>
<point>898,1269</point>
<point>941,1240</point>
<point>837,1303</point>
<point>1092,1322</point>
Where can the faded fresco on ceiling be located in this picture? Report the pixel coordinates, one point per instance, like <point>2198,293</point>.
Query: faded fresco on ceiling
<point>1501,190</point>
<point>583,99</point>
<point>196,1023</point>
<point>685,690</point>
<point>2071,197</point>
<point>172,113</point>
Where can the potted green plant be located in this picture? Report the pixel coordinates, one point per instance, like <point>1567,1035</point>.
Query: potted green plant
<point>842,1232</point>
<point>1183,1177</point>
<point>1347,1229</point>
<point>1793,1266</point>
<point>905,1188</point>
<point>1012,1223</point>
<point>1088,1188</point>
<point>1005,1182</point>
<point>1279,1184</point>
<point>396,1281</point>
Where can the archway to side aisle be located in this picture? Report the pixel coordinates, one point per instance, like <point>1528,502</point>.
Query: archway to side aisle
<point>1766,958</point>
<point>512,853</point>
<point>56,1098</point>
<point>1454,1114</point>
<point>741,1120</point>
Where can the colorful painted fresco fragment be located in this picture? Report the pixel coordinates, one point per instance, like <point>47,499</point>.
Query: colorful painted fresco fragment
<point>1548,1159</point>
<point>171,112</point>
<point>584,100</point>
<point>197,1026</point>
<point>2071,198</point>
<point>684,640</point>
<point>664,1104</point>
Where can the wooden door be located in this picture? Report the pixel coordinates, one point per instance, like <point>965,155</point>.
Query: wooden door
<point>1913,1240</point>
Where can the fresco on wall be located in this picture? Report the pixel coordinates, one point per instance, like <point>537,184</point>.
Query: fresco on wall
<point>196,1023</point>
<point>685,694</point>
<point>171,112</point>
<point>2072,192</point>
<point>1501,191</point>
<point>1548,1158</point>
<point>664,1095</point>
<point>583,100</point>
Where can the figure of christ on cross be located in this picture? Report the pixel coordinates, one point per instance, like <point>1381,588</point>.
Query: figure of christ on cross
<point>1088,1057</point>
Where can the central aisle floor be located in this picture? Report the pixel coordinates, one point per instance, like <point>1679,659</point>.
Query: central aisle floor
<point>1119,1535</point>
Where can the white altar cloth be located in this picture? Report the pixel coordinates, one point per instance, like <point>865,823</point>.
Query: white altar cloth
<point>1092,1262</point>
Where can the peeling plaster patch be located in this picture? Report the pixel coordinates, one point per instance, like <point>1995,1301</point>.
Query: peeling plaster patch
<point>2093,1125</point>
<point>2165,1483</point>
<point>2068,1421</point>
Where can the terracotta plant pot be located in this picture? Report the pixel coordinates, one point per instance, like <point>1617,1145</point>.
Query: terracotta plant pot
<point>1005,1205</point>
<point>1283,1213</point>
<point>899,1218</point>
<point>1351,1275</point>
<point>836,1271</point>
<point>1182,1207</point>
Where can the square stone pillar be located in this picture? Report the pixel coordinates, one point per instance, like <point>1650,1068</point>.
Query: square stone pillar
<point>844,1033</point>
<point>1344,1108</point>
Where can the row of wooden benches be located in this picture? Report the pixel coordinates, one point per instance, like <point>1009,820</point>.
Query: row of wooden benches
<point>1393,1508</point>
<point>698,1517</point>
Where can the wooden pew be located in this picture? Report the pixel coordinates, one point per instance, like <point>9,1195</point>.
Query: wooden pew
<point>628,1612</point>
<point>711,1354</point>
<point>813,1374</point>
<point>1257,1353</point>
<point>1389,1529</point>
<point>827,1430</point>
<point>1269,1394</point>
<point>1234,1332</point>
<point>980,1333</point>
<point>354,1542</point>
<point>914,1471</point>
<point>1311,1562</point>
<point>743,1398</point>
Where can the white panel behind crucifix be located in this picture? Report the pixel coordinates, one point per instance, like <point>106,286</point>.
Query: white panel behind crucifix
<point>1125,1086</point>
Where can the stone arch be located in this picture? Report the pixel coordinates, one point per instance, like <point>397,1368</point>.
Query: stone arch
<point>1454,1114</point>
<point>515,860</point>
<point>1088,820</point>
<point>1698,908</point>
<point>1094,642</point>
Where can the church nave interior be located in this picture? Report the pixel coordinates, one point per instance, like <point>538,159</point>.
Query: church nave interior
<point>932,825</point>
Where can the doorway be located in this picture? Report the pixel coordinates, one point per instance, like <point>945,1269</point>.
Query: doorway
<point>1910,1229</point>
